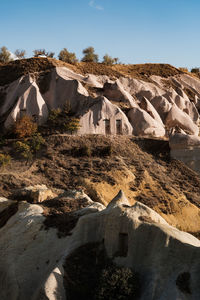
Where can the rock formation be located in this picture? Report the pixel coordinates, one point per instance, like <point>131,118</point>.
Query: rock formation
<point>33,267</point>
<point>159,102</point>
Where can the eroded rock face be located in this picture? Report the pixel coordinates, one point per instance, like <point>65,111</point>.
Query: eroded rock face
<point>187,149</point>
<point>169,102</point>
<point>33,267</point>
<point>34,194</point>
<point>143,124</point>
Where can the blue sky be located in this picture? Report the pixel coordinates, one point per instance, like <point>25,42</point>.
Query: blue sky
<point>136,31</point>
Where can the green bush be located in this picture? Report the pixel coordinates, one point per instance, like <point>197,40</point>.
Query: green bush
<point>195,70</point>
<point>71,125</point>
<point>68,57</point>
<point>35,142</point>
<point>24,149</point>
<point>63,120</point>
<point>118,283</point>
<point>30,146</point>
<point>54,116</point>
<point>5,159</point>
<point>89,55</point>
<point>108,60</point>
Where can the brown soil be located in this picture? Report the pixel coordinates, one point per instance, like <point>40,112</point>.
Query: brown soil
<point>15,69</point>
<point>59,213</point>
<point>102,165</point>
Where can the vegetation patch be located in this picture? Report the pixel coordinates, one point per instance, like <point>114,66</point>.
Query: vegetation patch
<point>5,159</point>
<point>59,213</point>
<point>25,127</point>
<point>90,274</point>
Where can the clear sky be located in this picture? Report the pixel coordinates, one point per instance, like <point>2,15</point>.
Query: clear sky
<point>135,31</point>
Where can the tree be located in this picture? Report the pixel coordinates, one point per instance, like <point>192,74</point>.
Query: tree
<point>20,53</point>
<point>195,70</point>
<point>5,56</point>
<point>89,55</point>
<point>108,60</point>
<point>25,127</point>
<point>39,52</point>
<point>68,57</point>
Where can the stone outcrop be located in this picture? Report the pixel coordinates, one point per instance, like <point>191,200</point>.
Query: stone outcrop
<point>159,101</point>
<point>143,124</point>
<point>186,148</point>
<point>135,236</point>
<point>176,117</point>
<point>34,194</point>
<point>103,117</point>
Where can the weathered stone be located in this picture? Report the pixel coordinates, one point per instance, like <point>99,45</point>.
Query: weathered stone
<point>34,194</point>
<point>32,258</point>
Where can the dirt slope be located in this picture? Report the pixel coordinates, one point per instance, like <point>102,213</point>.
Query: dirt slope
<point>15,69</point>
<point>102,165</point>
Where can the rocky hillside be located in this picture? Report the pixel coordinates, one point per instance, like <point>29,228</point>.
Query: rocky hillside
<point>144,100</point>
<point>102,165</point>
<point>59,213</point>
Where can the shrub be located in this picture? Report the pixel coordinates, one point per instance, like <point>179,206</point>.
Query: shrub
<point>20,53</point>
<point>25,127</point>
<point>183,69</point>
<point>72,124</point>
<point>5,159</point>
<point>68,57</point>
<point>35,142</point>
<point>118,283</point>
<point>24,149</point>
<point>64,120</point>
<point>54,115</point>
<point>5,56</point>
<point>39,52</point>
<point>108,60</point>
<point>89,55</point>
<point>195,70</point>
<point>82,151</point>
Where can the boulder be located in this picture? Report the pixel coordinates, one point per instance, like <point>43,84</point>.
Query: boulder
<point>162,106</point>
<point>143,124</point>
<point>116,92</point>
<point>184,141</point>
<point>148,107</point>
<point>177,117</point>
<point>30,103</point>
<point>34,194</point>
<point>186,148</point>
